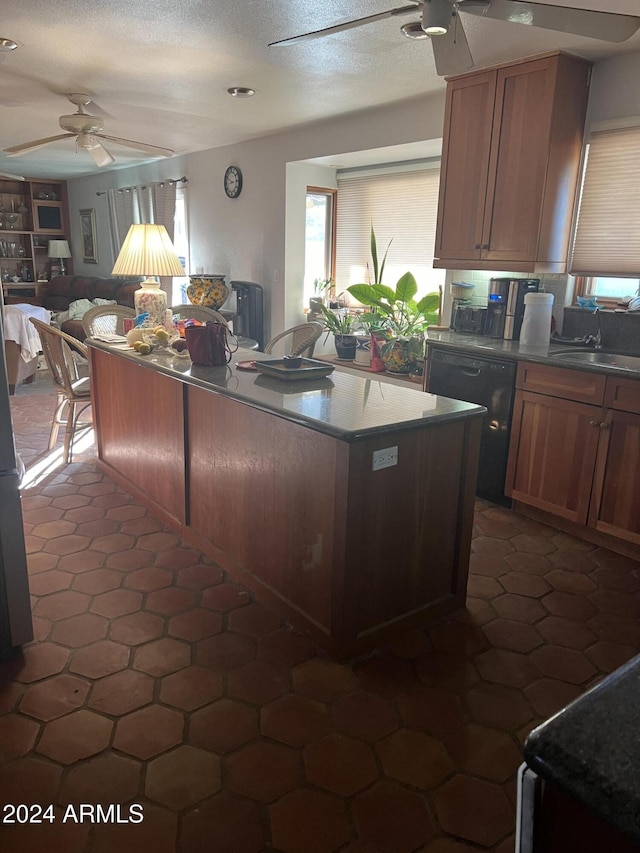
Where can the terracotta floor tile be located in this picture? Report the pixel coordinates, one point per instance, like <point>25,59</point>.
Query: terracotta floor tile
<point>285,646</point>
<point>163,541</point>
<point>608,656</point>
<point>258,682</point>
<point>29,780</point>
<point>183,777</point>
<point>233,821</point>
<point>148,579</point>
<point>108,778</point>
<point>17,736</point>
<point>99,659</point>
<point>294,720</point>
<point>63,545</point>
<point>263,771</point>
<point>53,529</point>
<point>573,582</point>
<point>41,562</point>
<point>620,578</point>
<point>564,664</point>
<point>37,661</point>
<point>162,657</point>
<point>223,726</point>
<point>113,543</point>
<point>137,628</point>
<point>568,605</point>
<point>617,629</point>
<point>179,558</point>
<point>446,670</point>
<point>191,688</point>
<point>409,645</point>
<point>322,680</point>
<point>519,608</point>
<point>415,759</point>
<point>340,764</point>
<point>548,696</point>
<point>121,693</point>
<point>80,630</point>
<point>83,561</point>
<point>393,819</point>
<point>484,587</point>
<point>488,565</point>
<point>200,576</point>
<point>97,527</point>
<point>453,636</point>
<point>473,809</point>
<point>534,564</point>
<point>226,651</point>
<point>149,732</point>
<point>170,601</point>
<point>566,632</point>
<point>127,561</point>
<point>116,602</point>
<point>325,828</point>
<point>572,560</point>
<point>498,707</point>
<point>225,597</point>
<point>385,674</point>
<point>431,710</point>
<point>54,697</point>
<point>485,752</point>
<point>516,636</point>
<point>616,603</point>
<point>194,625</point>
<point>126,512</point>
<point>506,667</point>
<point>365,716</point>
<point>48,582</point>
<point>10,693</point>
<point>523,583</point>
<point>492,547</point>
<point>254,619</point>
<point>78,735</point>
<point>157,833</point>
<point>61,605</point>
<point>97,581</point>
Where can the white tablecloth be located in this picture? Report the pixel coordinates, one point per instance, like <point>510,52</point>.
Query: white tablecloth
<point>18,328</point>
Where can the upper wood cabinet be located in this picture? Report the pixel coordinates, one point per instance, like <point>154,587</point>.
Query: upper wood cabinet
<point>510,165</point>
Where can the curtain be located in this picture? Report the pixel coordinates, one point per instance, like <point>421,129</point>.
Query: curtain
<point>120,209</point>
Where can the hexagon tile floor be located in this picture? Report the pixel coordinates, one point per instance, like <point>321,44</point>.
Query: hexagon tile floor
<point>155,679</point>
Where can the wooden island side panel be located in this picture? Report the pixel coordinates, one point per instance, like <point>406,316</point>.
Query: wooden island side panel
<point>139,423</point>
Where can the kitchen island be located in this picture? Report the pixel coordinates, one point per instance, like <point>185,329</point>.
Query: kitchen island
<point>273,480</point>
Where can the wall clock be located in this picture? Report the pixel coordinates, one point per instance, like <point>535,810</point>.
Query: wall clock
<point>233,182</point>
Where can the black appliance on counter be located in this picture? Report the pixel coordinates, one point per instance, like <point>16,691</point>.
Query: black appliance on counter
<point>510,293</point>
<point>249,319</point>
<point>469,318</point>
<point>487,382</point>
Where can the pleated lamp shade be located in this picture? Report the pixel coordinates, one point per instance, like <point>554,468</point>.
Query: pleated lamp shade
<point>147,250</point>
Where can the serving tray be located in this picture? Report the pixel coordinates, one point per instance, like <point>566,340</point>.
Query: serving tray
<point>309,368</point>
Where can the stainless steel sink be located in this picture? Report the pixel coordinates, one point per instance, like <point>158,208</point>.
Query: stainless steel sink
<point>610,359</point>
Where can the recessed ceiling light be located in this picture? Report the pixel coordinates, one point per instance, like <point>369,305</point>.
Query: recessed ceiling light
<point>241,92</point>
<point>7,44</point>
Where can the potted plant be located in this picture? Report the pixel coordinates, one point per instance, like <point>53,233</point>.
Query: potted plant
<point>395,310</point>
<point>340,323</point>
<point>321,290</point>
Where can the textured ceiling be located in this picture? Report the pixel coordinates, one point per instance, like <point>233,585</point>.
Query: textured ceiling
<point>159,69</point>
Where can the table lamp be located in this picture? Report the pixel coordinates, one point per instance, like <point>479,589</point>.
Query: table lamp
<point>59,249</point>
<point>147,250</point>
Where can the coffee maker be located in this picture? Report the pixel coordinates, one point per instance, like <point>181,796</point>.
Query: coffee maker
<point>505,309</point>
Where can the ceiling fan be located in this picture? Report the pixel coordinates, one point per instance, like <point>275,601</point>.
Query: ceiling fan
<point>87,130</point>
<point>440,22</point>
<point>11,177</point>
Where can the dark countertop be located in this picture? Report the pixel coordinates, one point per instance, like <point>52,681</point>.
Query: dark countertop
<point>551,355</point>
<point>591,750</point>
<point>343,405</point>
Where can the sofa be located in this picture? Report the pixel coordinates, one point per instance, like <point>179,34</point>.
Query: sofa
<point>62,290</point>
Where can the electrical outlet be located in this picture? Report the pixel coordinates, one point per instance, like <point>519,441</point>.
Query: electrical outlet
<point>386,458</point>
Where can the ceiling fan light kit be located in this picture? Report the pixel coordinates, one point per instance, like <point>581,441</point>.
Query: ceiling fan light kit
<point>441,20</point>
<point>88,133</point>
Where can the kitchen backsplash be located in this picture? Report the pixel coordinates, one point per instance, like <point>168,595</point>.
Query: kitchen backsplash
<point>620,331</point>
<point>560,285</point>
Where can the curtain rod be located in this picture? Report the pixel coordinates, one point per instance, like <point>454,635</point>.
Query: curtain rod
<point>182,180</point>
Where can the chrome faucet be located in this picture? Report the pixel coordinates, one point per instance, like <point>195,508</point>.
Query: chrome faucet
<point>597,338</point>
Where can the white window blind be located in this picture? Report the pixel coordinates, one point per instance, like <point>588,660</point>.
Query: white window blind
<point>402,206</point>
<point>607,235</point>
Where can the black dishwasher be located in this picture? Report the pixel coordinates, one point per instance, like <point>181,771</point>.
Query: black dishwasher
<point>488,382</point>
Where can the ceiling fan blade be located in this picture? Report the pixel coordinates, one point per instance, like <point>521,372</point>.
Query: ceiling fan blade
<point>451,50</point>
<point>348,25</point>
<point>100,155</point>
<point>608,26</point>
<point>156,150</point>
<point>11,177</point>
<point>26,147</point>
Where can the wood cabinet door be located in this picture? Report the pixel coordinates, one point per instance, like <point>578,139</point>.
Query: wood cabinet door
<point>615,507</point>
<point>552,454</point>
<point>519,160</point>
<point>465,163</point>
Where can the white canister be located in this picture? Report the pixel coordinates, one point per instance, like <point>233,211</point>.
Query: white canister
<point>536,325</point>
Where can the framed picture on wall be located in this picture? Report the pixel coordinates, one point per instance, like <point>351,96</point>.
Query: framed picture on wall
<point>88,231</point>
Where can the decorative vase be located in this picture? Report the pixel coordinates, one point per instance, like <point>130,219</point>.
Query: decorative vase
<point>363,350</point>
<point>346,346</point>
<point>152,300</point>
<point>210,291</point>
<point>401,355</point>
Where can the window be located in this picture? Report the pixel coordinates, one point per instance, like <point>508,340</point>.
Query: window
<point>606,249</point>
<point>319,238</point>
<point>402,207</point>
<point>181,245</point>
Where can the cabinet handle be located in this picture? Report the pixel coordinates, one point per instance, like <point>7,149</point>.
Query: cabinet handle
<point>485,245</point>
<point>477,246</point>
<point>605,425</point>
<point>595,423</point>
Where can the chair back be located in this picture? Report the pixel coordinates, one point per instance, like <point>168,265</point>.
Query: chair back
<point>106,320</point>
<point>57,351</point>
<point>197,312</point>
<point>302,339</point>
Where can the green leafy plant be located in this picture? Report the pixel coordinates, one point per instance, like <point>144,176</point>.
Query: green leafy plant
<point>320,285</point>
<point>402,315</point>
<point>337,323</point>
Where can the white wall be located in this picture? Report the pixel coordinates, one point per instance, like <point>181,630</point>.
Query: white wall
<point>245,238</point>
<point>614,91</point>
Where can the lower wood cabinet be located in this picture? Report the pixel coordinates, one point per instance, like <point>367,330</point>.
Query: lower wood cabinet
<point>577,460</point>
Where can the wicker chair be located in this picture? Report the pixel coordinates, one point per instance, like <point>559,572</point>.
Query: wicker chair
<point>72,389</point>
<point>197,312</point>
<point>303,339</point>
<point>106,320</point>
